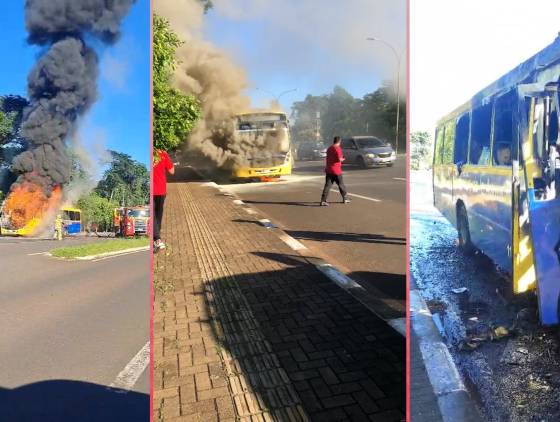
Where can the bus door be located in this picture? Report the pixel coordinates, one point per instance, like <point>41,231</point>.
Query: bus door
<point>536,206</point>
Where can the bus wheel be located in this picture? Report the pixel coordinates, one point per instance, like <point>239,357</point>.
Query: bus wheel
<point>464,233</point>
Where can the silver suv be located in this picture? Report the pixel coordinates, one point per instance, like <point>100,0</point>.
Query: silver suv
<point>367,151</point>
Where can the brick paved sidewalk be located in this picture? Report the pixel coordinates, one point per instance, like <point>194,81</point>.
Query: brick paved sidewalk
<point>247,330</point>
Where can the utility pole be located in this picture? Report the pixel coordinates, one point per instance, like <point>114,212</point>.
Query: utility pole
<point>398,57</point>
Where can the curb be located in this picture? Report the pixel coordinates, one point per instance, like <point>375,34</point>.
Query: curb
<point>105,254</point>
<point>330,271</point>
<point>454,402</point>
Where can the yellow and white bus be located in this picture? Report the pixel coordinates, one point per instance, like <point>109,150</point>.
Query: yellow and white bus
<point>270,154</point>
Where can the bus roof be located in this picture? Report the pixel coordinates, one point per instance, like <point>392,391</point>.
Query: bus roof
<point>69,208</point>
<point>526,72</point>
<point>248,113</point>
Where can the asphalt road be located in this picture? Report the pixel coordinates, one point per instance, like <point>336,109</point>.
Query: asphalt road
<point>68,329</point>
<point>365,239</point>
<point>515,378</point>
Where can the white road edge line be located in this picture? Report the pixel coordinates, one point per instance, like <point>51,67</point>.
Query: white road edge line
<point>37,253</point>
<point>338,277</point>
<point>132,371</point>
<point>400,178</point>
<point>398,324</point>
<point>292,243</point>
<point>360,196</point>
<point>116,254</point>
<point>441,369</point>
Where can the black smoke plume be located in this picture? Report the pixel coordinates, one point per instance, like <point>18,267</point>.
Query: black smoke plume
<point>62,84</point>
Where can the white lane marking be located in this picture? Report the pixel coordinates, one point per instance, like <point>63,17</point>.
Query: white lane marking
<point>147,248</point>
<point>398,324</point>
<point>37,253</point>
<point>339,278</point>
<point>267,223</point>
<point>400,178</point>
<point>292,243</point>
<point>360,196</point>
<point>132,371</point>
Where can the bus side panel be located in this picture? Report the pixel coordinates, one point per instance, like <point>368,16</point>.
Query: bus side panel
<point>545,230</point>
<point>73,227</point>
<point>486,194</point>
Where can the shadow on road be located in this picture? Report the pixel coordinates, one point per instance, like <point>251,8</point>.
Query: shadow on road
<point>387,291</point>
<point>64,400</point>
<point>346,237</point>
<point>292,203</point>
<point>320,168</point>
<point>343,362</point>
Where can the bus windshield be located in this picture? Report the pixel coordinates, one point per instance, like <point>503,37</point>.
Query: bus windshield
<point>260,121</point>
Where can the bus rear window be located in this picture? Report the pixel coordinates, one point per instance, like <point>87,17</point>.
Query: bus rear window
<point>479,151</point>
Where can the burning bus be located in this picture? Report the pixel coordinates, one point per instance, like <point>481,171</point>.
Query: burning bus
<point>268,135</point>
<point>30,213</point>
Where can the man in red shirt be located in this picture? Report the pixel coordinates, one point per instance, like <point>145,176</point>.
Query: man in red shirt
<point>333,172</point>
<point>162,166</point>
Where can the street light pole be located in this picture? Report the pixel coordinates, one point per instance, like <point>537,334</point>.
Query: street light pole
<point>398,57</point>
<point>276,97</point>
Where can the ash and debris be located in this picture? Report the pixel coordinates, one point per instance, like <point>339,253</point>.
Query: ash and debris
<point>510,363</point>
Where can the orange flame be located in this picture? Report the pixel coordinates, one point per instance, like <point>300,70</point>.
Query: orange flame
<point>28,201</point>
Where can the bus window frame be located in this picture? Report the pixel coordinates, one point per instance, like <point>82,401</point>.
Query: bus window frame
<point>438,150</point>
<point>490,104</point>
<point>468,140</point>
<point>449,127</point>
<point>514,136</point>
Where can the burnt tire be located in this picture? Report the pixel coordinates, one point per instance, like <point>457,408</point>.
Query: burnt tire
<point>463,231</point>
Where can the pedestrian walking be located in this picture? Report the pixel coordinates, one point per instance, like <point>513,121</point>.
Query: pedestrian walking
<point>333,172</point>
<point>162,166</point>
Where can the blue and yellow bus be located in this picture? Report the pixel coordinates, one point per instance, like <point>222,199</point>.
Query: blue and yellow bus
<point>71,220</point>
<point>496,176</point>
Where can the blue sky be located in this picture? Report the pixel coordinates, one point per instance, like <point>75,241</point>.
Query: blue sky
<point>120,119</point>
<point>483,41</point>
<point>309,45</point>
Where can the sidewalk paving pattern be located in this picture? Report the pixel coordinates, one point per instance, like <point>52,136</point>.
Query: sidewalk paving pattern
<point>245,329</point>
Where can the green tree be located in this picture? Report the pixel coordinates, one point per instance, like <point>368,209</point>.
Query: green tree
<point>342,114</point>
<point>126,181</point>
<point>97,210</point>
<point>6,125</point>
<point>421,150</point>
<point>175,114</point>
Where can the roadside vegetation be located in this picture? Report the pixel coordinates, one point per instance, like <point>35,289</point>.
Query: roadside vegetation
<point>341,114</point>
<point>420,151</point>
<point>97,248</point>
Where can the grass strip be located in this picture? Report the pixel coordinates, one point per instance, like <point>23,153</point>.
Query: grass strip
<point>103,246</point>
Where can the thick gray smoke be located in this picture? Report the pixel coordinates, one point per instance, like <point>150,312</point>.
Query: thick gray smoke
<point>62,85</point>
